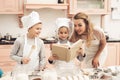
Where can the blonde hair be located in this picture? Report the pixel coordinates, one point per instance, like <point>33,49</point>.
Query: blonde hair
<point>89,28</point>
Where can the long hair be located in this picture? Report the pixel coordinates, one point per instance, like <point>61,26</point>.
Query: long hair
<point>89,28</point>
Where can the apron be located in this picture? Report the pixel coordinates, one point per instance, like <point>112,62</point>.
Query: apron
<point>34,58</point>
<point>65,68</point>
<point>91,51</point>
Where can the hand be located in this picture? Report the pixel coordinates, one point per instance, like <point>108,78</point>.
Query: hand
<point>42,68</point>
<point>25,60</point>
<point>53,57</point>
<point>80,51</point>
<point>95,62</point>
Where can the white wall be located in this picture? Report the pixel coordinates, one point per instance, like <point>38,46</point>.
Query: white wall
<point>112,27</point>
<point>9,23</point>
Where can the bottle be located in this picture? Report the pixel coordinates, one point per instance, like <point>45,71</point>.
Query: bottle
<point>60,1</point>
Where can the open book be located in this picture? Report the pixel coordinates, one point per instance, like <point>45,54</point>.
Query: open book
<point>67,52</point>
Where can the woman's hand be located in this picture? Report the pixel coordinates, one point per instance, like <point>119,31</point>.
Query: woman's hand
<point>95,62</point>
<point>25,60</point>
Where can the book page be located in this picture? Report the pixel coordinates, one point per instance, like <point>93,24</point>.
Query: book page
<point>76,46</point>
<point>67,52</point>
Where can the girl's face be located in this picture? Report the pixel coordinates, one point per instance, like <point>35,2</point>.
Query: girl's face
<point>35,30</point>
<point>79,26</point>
<point>63,33</point>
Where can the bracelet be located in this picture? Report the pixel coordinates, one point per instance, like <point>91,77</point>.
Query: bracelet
<point>21,62</point>
<point>84,55</point>
<point>50,61</point>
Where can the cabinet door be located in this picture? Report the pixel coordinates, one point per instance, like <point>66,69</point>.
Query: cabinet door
<point>113,54</point>
<point>6,63</point>
<point>11,6</point>
<point>7,66</point>
<point>89,6</point>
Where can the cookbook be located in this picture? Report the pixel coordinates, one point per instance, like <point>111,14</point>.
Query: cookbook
<point>67,52</point>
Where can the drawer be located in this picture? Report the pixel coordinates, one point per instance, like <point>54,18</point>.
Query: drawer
<point>5,46</point>
<point>7,64</point>
<point>7,69</point>
<point>5,53</point>
<point>5,58</point>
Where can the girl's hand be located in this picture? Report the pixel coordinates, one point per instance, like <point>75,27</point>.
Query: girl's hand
<point>95,62</point>
<point>53,57</point>
<point>80,51</point>
<point>25,60</point>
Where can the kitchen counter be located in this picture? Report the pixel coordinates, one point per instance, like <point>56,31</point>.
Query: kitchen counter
<point>113,40</point>
<point>109,73</point>
<point>6,42</point>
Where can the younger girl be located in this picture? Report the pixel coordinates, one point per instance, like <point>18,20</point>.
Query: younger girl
<point>64,29</point>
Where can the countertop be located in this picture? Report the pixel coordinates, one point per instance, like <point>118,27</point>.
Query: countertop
<point>113,40</point>
<point>11,42</point>
<point>108,73</point>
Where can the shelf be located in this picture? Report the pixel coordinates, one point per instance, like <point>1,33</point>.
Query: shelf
<point>39,6</point>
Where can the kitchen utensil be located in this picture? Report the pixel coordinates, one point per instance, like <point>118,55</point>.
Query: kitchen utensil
<point>0,37</point>
<point>32,48</point>
<point>8,36</point>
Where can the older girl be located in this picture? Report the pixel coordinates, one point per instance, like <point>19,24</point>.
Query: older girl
<point>28,50</point>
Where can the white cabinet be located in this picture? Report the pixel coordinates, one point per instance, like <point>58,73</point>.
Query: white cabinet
<point>6,63</point>
<point>11,6</point>
<point>89,6</point>
<point>113,57</point>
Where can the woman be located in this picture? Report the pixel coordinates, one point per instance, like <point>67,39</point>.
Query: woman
<point>95,40</point>
<point>28,50</point>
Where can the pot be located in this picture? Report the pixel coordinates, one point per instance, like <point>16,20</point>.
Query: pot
<point>0,37</point>
<point>8,36</point>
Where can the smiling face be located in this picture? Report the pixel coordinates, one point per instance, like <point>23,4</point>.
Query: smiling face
<point>63,33</point>
<point>35,30</point>
<point>79,26</point>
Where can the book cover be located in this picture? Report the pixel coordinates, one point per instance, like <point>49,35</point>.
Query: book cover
<point>67,52</point>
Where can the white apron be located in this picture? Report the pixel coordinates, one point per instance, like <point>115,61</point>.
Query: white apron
<point>65,68</point>
<point>91,51</point>
<point>34,59</point>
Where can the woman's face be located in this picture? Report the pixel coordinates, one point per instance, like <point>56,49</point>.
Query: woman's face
<point>79,26</point>
<point>63,33</point>
<point>35,30</point>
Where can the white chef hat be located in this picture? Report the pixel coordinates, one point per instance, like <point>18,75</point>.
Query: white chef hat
<point>31,19</point>
<point>64,22</point>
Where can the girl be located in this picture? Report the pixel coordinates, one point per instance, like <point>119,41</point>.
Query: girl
<point>63,33</point>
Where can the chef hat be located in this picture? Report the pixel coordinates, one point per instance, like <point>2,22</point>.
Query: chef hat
<point>64,22</point>
<point>31,19</point>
